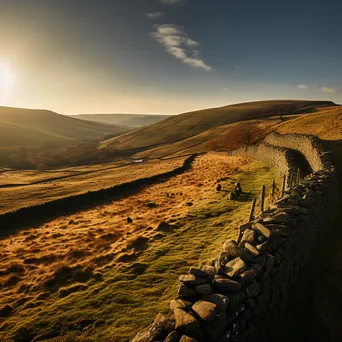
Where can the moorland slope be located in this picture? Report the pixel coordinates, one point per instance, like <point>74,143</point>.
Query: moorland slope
<point>195,128</point>
<point>32,127</point>
<point>129,120</point>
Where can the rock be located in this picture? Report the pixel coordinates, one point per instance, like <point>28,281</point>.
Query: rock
<point>232,195</point>
<point>226,285</point>
<point>218,187</point>
<point>235,251</point>
<point>155,332</point>
<point>151,205</point>
<point>247,277</point>
<point>269,263</point>
<point>213,330</point>
<point>248,236</point>
<point>187,325</point>
<point>205,289</point>
<point>174,336</point>
<point>187,339</point>
<point>205,310</point>
<point>198,272</point>
<point>190,279</point>
<point>235,267</point>
<point>261,239</point>
<point>209,270</point>
<point>179,304</point>
<point>261,229</point>
<point>164,227</point>
<point>6,311</point>
<point>283,218</point>
<point>251,249</point>
<point>223,258</point>
<point>220,300</point>
<point>129,220</point>
<point>253,290</point>
<point>264,247</point>
<point>186,292</point>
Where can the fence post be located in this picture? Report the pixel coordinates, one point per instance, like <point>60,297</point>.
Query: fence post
<point>262,204</point>
<point>251,214</point>
<point>283,187</point>
<point>298,176</point>
<point>273,190</point>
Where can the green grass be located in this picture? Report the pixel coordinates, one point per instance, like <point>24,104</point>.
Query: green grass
<point>133,292</point>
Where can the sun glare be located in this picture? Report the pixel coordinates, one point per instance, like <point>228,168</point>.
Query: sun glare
<point>6,77</point>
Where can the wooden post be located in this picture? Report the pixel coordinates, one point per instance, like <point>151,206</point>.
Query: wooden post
<point>262,204</point>
<point>298,176</point>
<point>273,190</point>
<point>251,214</point>
<point>283,187</point>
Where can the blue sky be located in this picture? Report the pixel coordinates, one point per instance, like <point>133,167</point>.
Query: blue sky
<point>167,56</point>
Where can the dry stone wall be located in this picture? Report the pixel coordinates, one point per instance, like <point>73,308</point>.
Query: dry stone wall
<point>282,159</point>
<point>238,295</point>
<point>309,145</point>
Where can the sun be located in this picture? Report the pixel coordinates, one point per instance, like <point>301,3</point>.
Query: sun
<point>6,77</point>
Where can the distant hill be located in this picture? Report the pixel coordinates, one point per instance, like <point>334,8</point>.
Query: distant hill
<point>28,127</point>
<point>184,126</point>
<point>129,120</point>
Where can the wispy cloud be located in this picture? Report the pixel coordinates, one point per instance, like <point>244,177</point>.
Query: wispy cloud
<point>155,15</point>
<point>328,90</point>
<point>180,45</point>
<point>172,2</point>
<point>302,86</point>
<point>237,66</point>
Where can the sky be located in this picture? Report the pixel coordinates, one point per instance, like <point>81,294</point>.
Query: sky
<point>167,56</point>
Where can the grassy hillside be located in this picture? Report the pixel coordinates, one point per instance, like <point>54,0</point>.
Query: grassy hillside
<point>316,300</point>
<point>23,127</point>
<point>186,125</point>
<point>129,120</point>
<point>93,276</point>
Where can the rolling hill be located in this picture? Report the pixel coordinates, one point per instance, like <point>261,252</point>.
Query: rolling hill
<point>130,120</point>
<point>175,129</point>
<point>28,127</point>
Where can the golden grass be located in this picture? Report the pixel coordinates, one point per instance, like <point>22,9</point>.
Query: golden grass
<point>86,179</point>
<point>93,276</point>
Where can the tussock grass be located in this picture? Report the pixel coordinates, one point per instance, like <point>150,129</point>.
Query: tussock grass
<point>109,277</point>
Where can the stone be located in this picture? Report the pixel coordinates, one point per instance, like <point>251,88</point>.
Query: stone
<point>264,247</point>
<point>220,300</point>
<point>235,267</point>
<point>151,205</point>
<point>261,229</point>
<point>174,336</point>
<point>261,239</point>
<point>232,248</point>
<point>205,310</point>
<point>253,290</point>
<point>185,292</point>
<point>155,332</point>
<point>269,263</point>
<point>260,260</point>
<point>251,249</point>
<point>179,304</point>
<point>197,272</point>
<point>209,270</point>
<point>205,289</point>
<point>190,279</point>
<point>248,236</point>
<point>283,218</point>
<point>187,324</point>
<point>185,338</point>
<point>226,285</point>
<point>247,277</point>
<point>213,330</point>
<point>223,258</point>
<point>235,299</point>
